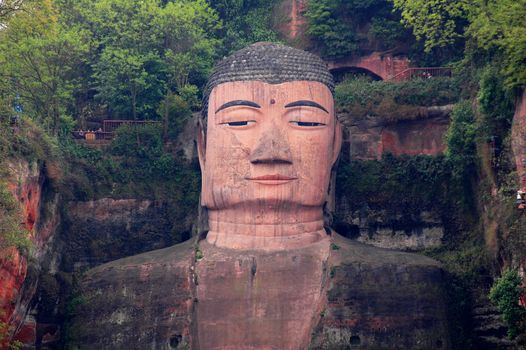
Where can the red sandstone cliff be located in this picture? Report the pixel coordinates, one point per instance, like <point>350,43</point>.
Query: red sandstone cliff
<point>371,137</point>
<point>17,286</point>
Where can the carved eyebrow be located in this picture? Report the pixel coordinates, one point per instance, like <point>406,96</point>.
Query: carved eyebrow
<point>306,103</point>
<point>238,103</point>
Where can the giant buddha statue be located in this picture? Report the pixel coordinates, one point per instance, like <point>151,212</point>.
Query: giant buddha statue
<point>268,273</point>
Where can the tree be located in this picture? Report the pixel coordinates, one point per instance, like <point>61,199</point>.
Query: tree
<point>39,58</point>
<point>129,81</point>
<point>245,22</point>
<point>438,22</point>
<point>505,294</point>
<point>499,26</point>
<point>494,29</point>
<point>8,8</point>
<point>147,50</point>
<point>336,35</point>
<point>340,28</point>
<point>188,32</point>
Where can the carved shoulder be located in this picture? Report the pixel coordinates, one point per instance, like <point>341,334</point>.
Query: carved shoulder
<point>145,300</point>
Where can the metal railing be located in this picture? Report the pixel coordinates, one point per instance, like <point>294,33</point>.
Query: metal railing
<point>422,73</point>
<point>111,125</point>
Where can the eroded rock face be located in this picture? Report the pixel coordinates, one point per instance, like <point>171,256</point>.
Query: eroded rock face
<point>330,295</point>
<point>518,143</point>
<point>141,302</point>
<point>385,229</point>
<point>380,299</point>
<point>371,137</point>
<point>17,286</point>
<point>109,229</point>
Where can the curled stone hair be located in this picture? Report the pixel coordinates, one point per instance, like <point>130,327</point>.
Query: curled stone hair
<point>270,63</point>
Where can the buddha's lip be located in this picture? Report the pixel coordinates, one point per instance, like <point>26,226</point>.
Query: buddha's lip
<point>272,177</point>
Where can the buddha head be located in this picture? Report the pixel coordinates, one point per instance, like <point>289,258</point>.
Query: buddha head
<point>269,140</point>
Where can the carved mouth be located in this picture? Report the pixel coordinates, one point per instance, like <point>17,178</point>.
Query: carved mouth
<point>275,179</point>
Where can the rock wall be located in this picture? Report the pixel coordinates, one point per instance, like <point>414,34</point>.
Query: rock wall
<point>518,142</point>
<point>18,277</point>
<point>371,137</point>
<point>107,229</point>
<point>385,229</point>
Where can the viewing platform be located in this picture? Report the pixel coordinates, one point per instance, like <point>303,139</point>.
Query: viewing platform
<point>103,136</point>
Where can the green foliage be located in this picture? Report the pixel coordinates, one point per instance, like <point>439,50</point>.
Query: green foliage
<point>40,57</point>
<point>505,294</point>
<point>461,149</point>
<point>497,27</point>
<point>394,100</point>
<point>495,103</point>
<point>245,22</point>
<point>437,22</point>
<point>342,28</point>
<point>11,231</point>
<point>129,82</point>
<point>336,35</point>
<point>493,29</point>
<point>389,32</point>
<point>142,142</point>
<point>189,93</point>
<point>136,166</point>
<point>404,184</point>
<point>175,112</point>
<point>147,50</point>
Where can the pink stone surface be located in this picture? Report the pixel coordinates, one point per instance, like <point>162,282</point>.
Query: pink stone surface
<point>266,165</point>
<point>256,300</point>
<point>370,139</point>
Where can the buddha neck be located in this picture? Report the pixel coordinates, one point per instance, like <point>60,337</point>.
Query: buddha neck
<point>265,229</point>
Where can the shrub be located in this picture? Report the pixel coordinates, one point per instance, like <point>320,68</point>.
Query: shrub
<point>495,103</point>
<point>461,151</point>
<point>142,141</point>
<point>176,110</point>
<point>505,294</point>
<point>394,100</point>
<point>11,232</point>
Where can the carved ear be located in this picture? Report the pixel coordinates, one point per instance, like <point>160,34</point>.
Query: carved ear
<point>201,145</point>
<point>337,144</point>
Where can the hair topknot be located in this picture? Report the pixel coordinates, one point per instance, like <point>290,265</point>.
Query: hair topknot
<point>271,63</point>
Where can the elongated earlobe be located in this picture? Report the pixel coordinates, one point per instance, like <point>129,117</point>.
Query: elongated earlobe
<point>337,144</point>
<point>201,146</point>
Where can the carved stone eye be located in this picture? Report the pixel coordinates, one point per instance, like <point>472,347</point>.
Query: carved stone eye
<point>241,123</point>
<point>307,124</point>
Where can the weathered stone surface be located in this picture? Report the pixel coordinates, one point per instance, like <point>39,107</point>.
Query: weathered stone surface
<point>240,299</point>
<point>18,277</point>
<point>108,229</point>
<point>384,229</point>
<point>140,302</point>
<point>260,300</point>
<point>518,143</point>
<point>371,137</point>
<point>380,299</point>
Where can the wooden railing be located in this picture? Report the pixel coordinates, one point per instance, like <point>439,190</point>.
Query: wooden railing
<point>108,131</point>
<point>422,73</point>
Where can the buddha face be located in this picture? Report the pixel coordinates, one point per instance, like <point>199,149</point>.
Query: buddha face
<point>268,145</point>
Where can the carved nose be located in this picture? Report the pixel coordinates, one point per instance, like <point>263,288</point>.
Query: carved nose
<point>272,147</point>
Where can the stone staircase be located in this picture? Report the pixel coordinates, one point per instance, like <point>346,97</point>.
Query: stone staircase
<point>490,332</point>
